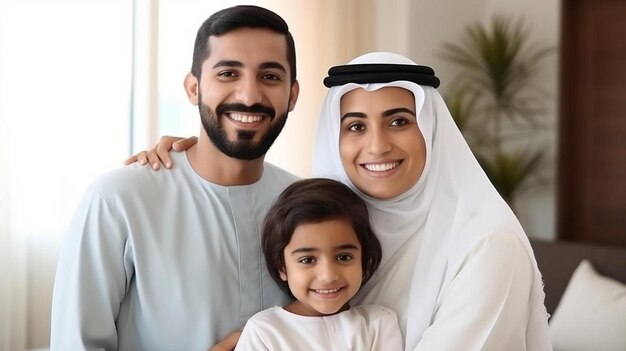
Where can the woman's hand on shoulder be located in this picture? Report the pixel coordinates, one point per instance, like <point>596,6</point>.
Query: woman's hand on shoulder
<point>159,153</point>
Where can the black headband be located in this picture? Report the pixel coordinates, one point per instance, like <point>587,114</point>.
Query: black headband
<point>380,73</point>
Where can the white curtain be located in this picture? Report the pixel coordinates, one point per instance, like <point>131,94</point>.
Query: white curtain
<point>12,263</point>
<point>64,118</point>
<point>12,293</point>
<point>12,249</point>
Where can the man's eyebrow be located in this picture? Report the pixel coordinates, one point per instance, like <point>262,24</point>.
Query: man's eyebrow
<point>228,63</point>
<point>238,64</point>
<point>273,64</point>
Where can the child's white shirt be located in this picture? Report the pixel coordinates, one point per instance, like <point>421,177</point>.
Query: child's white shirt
<point>363,327</point>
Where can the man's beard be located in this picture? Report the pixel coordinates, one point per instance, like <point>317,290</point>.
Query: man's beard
<point>243,148</point>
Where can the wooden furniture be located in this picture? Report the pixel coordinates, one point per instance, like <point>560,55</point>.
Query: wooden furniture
<point>592,147</point>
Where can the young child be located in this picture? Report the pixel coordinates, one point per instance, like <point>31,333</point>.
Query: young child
<point>319,247</point>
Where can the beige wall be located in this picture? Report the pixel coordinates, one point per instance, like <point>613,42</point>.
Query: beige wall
<point>434,22</point>
<point>537,208</point>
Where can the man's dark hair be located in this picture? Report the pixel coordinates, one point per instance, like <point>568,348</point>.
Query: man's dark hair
<point>242,16</point>
<point>312,201</point>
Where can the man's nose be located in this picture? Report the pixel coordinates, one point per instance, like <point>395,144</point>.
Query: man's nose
<point>249,91</point>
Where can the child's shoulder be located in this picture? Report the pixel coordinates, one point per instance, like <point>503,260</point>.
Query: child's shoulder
<point>373,309</point>
<point>374,312</point>
<point>269,313</point>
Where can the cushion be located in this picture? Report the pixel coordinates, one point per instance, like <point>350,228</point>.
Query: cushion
<point>591,314</point>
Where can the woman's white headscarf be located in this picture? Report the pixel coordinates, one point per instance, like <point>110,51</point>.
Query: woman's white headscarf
<point>451,206</point>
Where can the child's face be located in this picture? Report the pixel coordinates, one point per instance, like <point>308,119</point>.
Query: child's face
<point>323,267</point>
<point>381,146</point>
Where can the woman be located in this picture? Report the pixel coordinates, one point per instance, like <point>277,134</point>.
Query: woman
<point>457,266</point>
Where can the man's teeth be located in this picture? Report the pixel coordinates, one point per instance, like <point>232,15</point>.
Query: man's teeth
<point>245,118</point>
<point>381,167</point>
<point>327,291</point>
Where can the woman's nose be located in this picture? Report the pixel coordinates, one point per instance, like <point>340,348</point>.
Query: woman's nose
<point>379,142</point>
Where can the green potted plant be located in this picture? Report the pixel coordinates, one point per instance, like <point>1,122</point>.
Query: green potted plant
<point>496,101</point>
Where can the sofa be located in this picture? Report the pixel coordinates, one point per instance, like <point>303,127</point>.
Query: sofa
<point>585,286</point>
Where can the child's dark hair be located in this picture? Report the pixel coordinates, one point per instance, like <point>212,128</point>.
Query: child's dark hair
<point>242,16</point>
<point>311,201</point>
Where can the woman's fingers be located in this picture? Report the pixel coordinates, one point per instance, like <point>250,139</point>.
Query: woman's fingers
<point>160,152</point>
<point>141,157</point>
<point>184,144</point>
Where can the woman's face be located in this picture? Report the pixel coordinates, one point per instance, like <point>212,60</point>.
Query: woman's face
<point>381,147</point>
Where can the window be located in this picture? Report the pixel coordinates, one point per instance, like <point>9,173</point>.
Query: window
<point>64,101</point>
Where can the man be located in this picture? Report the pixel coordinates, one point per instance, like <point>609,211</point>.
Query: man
<point>171,260</point>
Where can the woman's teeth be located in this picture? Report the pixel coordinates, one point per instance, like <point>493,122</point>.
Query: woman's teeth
<point>381,167</point>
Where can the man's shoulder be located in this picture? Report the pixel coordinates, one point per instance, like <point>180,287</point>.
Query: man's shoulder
<point>123,177</point>
<point>278,175</point>
<point>274,170</point>
<point>135,179</point>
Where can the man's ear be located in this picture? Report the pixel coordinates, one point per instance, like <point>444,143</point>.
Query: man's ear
<point>293,98</point>
<point>283,275</point>
<point>191,88</point>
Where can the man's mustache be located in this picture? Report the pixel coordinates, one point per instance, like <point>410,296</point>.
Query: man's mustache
<point>256,108</point>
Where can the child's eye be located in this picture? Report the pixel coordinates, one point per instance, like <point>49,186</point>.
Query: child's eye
<point>306,260</point>
<point>344,257</point>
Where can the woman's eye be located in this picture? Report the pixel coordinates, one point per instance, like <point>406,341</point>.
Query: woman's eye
<point>344,257</point>
<point>399,122</point>
<point>356,127</point>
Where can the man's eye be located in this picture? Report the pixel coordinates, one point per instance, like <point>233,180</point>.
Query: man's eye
<point>270,76</point>
<point>227,74</point>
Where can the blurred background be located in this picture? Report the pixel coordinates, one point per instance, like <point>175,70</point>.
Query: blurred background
<point>86,83</point>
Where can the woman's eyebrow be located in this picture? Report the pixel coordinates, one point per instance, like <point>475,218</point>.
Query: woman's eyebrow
<point>353,114</point>
<point>393,111</point>
<point>387,113</point>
